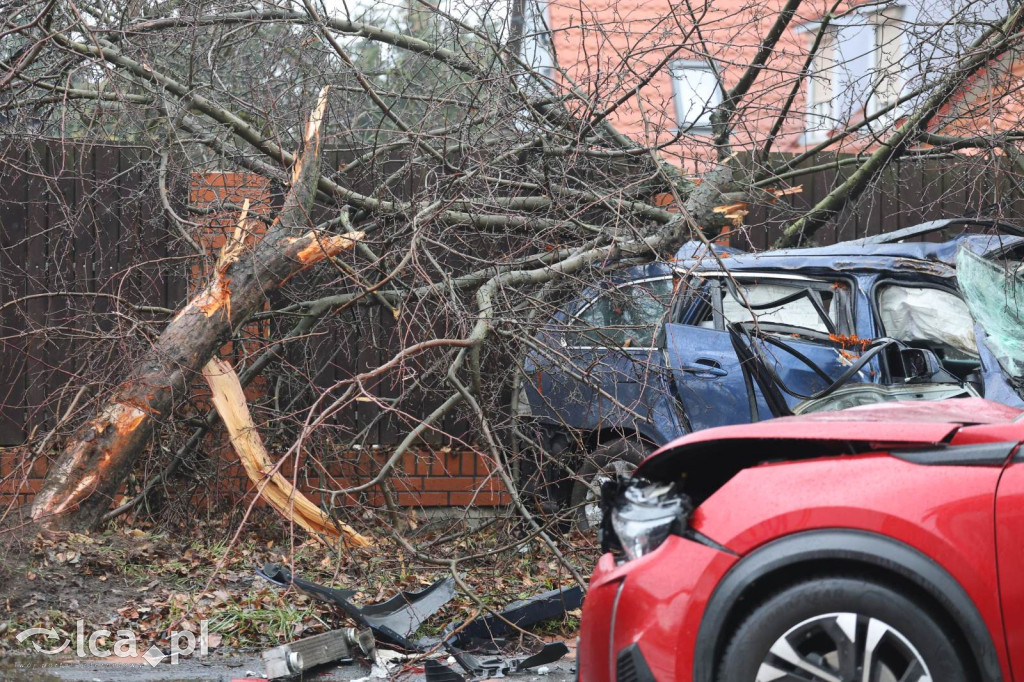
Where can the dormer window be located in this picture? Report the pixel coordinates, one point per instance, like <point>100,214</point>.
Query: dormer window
<point>697,94</point>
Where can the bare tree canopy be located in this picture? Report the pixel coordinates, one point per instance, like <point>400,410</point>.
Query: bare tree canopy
<point>490,158</point>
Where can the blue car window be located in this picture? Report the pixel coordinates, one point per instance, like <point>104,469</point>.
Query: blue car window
<point>797,312</point>
<point>623,317</point>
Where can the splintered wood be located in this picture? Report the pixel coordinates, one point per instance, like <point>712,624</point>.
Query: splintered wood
<point>229,401</point>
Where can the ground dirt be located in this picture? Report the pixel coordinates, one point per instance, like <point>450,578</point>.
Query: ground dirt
<point>153,580</point>
<point>228,669</point>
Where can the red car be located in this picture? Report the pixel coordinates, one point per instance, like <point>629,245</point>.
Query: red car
<point>876,544</point>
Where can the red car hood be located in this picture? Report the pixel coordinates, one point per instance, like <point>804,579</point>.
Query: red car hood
<point>912,423</point>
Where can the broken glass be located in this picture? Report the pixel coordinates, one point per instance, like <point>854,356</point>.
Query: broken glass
<point>775,304</point>
<point>995,295</point>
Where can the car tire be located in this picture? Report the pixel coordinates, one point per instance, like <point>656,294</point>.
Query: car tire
<point>798,627</point>
<point>620,456</point>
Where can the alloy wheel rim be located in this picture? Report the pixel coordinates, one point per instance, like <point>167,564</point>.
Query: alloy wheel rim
<point>843,647</point>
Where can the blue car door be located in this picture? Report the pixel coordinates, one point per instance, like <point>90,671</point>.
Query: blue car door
<point>606,364</point>
<point>788,323</point>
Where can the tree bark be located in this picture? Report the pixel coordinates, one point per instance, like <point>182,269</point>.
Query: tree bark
<point>81,485</point>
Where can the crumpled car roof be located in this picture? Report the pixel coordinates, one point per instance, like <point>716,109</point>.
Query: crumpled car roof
<point>938,258</point>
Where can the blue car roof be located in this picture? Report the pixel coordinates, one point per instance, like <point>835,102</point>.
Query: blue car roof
<point>936,258</point>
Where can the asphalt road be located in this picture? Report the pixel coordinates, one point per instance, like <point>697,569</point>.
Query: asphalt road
<point>211,670</point>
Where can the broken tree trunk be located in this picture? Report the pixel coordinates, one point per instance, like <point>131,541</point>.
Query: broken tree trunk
<point>229,400</point>
<point>81,485</point>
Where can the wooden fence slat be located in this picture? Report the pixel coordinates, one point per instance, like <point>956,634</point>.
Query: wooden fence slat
<point>106,255</point>
<point>1013,192</point>
<point>846,221</point>
<point>345,363</point>
<point>817,188</point>
<point>954,194</point>
<point>392,426</point>
<point>932,207</point>
<point>911,188</point>
<point>888,200</point>
<point>13,286</point>
<point>83,236</point>
<point>133,250</point>
<point>367,358</point>
<point>61,315</point>
<point>38,281</point>
<point>432,393</point>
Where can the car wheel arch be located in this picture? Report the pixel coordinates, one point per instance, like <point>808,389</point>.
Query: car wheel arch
<point>829,552</point>
<point>607,435</point>
<point>562,436</point>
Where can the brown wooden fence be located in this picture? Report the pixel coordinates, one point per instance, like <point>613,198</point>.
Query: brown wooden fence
<point>81,227</point>
<point>909,192</point>
<point>83,230</point>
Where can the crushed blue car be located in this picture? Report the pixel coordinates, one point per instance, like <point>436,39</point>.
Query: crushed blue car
<point>721,337</point>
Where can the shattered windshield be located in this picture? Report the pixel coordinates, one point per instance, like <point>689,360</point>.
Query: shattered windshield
<point>995,295</point>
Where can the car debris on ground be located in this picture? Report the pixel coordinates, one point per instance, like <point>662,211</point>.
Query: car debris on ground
<point>476,646</point>
<point>305,654</point>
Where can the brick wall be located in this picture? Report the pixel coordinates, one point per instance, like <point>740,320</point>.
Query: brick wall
<point>425,477</point>
<point>21,476</point>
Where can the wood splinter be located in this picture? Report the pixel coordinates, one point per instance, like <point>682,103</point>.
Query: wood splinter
<point>230,403</point>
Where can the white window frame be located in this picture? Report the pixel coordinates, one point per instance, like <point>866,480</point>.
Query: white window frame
<point>821,111</point>
<point>679,69</point>
<point>537,45</point>
<point>887,82</point>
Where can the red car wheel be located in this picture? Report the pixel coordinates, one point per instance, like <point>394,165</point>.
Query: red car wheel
<point>841,630</point>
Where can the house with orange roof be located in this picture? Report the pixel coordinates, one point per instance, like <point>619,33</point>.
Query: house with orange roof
<point>658,68</point>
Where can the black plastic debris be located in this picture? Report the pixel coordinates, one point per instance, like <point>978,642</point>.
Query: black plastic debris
<point>523,613</point>
<point>392,621</point>
<point>396,619</point>
<point>500,667</point>
<point>438,672</point>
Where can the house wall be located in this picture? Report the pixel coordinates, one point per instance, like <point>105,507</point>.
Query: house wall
<point>608,48</point>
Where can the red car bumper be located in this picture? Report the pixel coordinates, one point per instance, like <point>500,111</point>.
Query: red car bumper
<point>649,609</point>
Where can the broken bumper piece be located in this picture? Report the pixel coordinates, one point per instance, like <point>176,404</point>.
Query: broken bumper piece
<point>395,620</point>
<point>391,621</point>
<point>336,646</point>
<point>493,667</point>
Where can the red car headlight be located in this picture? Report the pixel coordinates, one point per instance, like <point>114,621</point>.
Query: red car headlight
<point>644,514</point>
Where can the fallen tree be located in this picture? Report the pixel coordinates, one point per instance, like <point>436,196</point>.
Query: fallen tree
<point>82,483</point>
<point>460,145</point>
